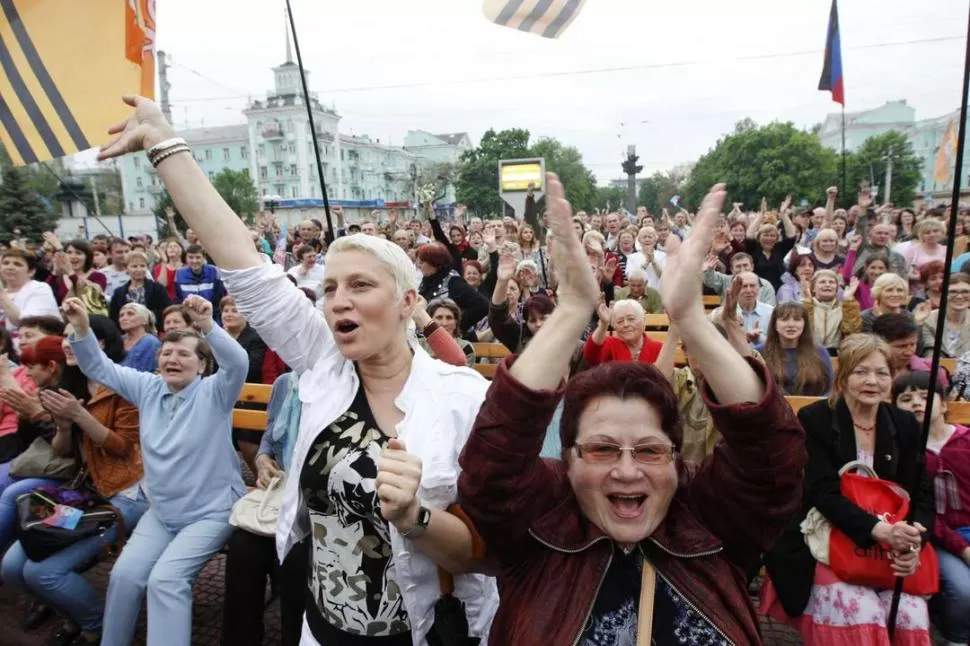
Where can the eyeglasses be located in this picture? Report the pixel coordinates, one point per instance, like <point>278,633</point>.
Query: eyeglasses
<point>609,453</point>
<point>962,293</point>
<point>881,375</point>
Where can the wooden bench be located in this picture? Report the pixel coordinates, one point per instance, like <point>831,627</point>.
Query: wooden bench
<point>957,412</point>
<point>249,419</point>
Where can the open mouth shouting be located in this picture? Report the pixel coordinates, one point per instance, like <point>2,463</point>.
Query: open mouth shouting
<point>627,506</point>
<point>344,330</point>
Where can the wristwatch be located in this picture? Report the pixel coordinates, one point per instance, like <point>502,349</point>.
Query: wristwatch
<point>420,525</point>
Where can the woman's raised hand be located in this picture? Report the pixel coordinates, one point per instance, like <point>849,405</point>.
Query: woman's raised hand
<point>506,266</point>
<point>577,283</point>
<point>77,315</point>
<point>680,285</point>
<point>143,129</point>
<point>200,311</point>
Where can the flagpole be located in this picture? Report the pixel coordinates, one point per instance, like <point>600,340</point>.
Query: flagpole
<point>844,194</point>
<point>313,129</point>
<point>938,337</point>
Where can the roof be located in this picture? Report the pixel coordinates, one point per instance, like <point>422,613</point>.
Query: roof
<point>453,138</point>
<point>215,134</point>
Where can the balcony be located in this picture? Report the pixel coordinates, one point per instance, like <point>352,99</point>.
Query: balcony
<point>272,131</point>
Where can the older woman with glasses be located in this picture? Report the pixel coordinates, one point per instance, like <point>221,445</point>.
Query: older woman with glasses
<point>580,543</point>
<point>854,424</point>
<point>956,323</point>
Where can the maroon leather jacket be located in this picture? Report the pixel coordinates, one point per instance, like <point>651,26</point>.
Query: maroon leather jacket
<point>550,560</point>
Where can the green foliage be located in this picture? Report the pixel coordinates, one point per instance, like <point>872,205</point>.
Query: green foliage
<point>655,191</point>
<point>478,174</point>
<point>567,162</point>
<point>907,167</point>
<point>612,197</point>
<point>239,192</point>
<point>769,161</point>
<point>21,208</point>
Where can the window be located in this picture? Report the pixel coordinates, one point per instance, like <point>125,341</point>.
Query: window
<point>137,161</point>
<point>212,176</point>
<point>138,182</point>
<point>293,170</point>
<point>141,202</point>
<point>225,154</point>
<point>341,154</point>
<point>131,206</point>
<point>242,152</point>
<point>262,172</point>
<point>293,191</point>
<point>208,155</point>
<point>291,147</point>
<point>260,150</point>
<point>279,170</point>
<point>264,191</point>
<point>279,189</point>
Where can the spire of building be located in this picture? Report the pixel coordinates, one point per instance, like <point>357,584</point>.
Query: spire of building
<point>289,53</point>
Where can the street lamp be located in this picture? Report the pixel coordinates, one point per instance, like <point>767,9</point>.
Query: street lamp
<point>271,202</point>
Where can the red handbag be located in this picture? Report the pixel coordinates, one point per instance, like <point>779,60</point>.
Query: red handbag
<point>871,566</point>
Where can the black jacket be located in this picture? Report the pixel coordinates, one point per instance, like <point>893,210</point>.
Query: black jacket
<point>447,282</point>
<point>255,347</point>
<point>458,256</point>
<point>830,441</point>
<point>156,299</point>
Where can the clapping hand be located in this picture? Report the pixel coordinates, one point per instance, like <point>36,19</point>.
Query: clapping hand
<point>849,293</point>
<point>922,312</point>
<point>754,334</point>
<point>398,478</point>
<point>200,311</point>
<point>77,315</point>
<point>577,284</point>
<point>680,285</point>
<point>604,312</point>
<point>61,404</point>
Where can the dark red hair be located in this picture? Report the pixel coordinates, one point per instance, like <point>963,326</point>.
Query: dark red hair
<point>539,305</point>
<point>930,269</point>
<point>436,254</point>
<point>47,349</point>
<point>472,263</point>
<point>625,380</point>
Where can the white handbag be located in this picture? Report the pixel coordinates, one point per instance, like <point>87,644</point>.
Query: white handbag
<point>257,511</point>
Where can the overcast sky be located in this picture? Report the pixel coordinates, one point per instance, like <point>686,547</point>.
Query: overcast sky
<point>694,67</point>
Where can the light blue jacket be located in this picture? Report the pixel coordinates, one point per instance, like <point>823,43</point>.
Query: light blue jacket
<point>191,468</point>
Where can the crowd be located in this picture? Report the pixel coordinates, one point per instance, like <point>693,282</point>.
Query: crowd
<point>595,490</point>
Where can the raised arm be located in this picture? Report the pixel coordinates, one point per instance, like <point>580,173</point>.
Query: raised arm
<point>729,376</point>
<point>501,467</point>
<point>128,383</point>
<point>232,358</point>
<point>668,355</point>
<point>221,231</point>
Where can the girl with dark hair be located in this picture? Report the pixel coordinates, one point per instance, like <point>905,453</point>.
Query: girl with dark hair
<point>801,268</point>
<point>74,276</point>
<point>948,467</point>
<point>801,367</point>
<point>875,266</point>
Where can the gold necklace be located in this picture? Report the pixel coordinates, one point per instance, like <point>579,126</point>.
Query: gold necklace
<point>864,429</point>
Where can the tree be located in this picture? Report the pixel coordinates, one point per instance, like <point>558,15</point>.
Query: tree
<point>21,209</point>
<point>612,197</point>
<point>656,190</point>
<point>768,161</point>
<point>567,162</point>
<point>239,192</point>
<point>478,174</point>
<point>870,163</point>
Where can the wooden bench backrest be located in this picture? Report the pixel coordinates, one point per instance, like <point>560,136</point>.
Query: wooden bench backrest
<point>252,420</point>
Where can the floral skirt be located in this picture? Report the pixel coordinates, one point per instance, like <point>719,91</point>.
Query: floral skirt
<point>843,614</point>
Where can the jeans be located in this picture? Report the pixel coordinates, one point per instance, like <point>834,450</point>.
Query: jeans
<point>54,579</point>
<point>8,504</point>
<point>165,563</point>
<point>251,559</point>
<point>951,607</point>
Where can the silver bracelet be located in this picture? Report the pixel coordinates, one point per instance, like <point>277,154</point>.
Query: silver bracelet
<point>165,154</point>
<point>162,146</point>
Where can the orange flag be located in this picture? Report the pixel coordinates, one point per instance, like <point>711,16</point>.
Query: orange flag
<point>65,65</point>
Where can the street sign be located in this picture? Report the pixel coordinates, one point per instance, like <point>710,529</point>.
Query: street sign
<point>514,178</point>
